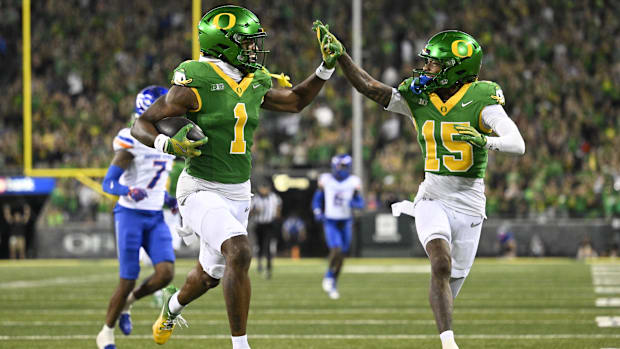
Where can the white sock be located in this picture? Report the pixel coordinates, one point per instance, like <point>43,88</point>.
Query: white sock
<point>128,303</point>
<point>107,329</point>
<point>447,340</point>
<point>174,306</point>
<point>240,342</point>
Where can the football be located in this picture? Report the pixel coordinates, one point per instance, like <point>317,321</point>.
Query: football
<point>171,125</point>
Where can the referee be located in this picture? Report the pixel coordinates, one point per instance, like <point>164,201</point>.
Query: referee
<point>265,212</point>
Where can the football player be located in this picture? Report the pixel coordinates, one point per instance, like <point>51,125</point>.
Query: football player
<point>453,114</point>
<point>337,194</point>
<point>222,93</point>
<point>138,175</point>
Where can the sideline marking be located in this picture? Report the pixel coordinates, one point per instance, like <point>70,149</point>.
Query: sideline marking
<point>608,321</point>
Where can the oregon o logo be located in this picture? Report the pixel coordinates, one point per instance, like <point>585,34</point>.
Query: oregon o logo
<point>232,19</point>
<point>455,48</point>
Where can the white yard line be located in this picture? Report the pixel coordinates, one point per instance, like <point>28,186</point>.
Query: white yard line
<point>606,279</point>
<point>607,290</point>
<point>330,336</point>
<point>418,310</point>
<point>608,302</point>
<point>387,269</point>
<point>608,321</point>
<point>57,281</point>
<point>363,322</point>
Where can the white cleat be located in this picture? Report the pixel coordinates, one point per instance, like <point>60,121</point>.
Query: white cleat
<point>333,294</point>
<point>328,284</point>
<point>105,340</point>
<point>449,345</point>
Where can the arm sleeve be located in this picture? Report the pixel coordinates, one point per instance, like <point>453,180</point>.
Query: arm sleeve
<point>509,140</point>
<point>357,201</point>
<point>398,104</point>
<point>318,201</point>
<point>111,185</point>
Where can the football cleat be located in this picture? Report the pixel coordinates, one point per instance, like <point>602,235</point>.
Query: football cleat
<point>333,294</point>
<point>105,340</point>
<point>163,327</point>
<point>328,284</point>
<point>124,323</point>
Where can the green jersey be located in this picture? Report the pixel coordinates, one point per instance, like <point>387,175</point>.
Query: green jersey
<point>228,114</point>
<point>434,122</point>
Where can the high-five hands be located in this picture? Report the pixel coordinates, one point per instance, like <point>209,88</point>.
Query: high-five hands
<point>331,48</point>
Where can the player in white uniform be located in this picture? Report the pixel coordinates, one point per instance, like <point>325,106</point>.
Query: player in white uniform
<point>333,202</point>
<point>138,175</point>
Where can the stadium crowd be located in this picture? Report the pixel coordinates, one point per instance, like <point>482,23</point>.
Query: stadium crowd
<point>554,60</point>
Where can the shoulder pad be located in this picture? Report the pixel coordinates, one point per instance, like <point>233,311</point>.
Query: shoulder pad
<point>263,76</point>
<point>404,86</point>
<point>190,74</point>
<point>124,140</point>
<point>491,90</point>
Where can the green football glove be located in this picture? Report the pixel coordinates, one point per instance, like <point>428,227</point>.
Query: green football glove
<point>331,48</point>
<point>471,135</point>
<point>179,145</point>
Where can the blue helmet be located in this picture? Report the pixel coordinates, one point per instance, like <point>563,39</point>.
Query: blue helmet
<point>341,166</point>
<point>147,96</point>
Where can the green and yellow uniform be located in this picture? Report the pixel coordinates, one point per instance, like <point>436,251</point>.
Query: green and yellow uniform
<point>228,113</point>
<point>435,119</point>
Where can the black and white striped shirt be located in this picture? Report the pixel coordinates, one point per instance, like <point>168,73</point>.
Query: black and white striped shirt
<point>265,208</point>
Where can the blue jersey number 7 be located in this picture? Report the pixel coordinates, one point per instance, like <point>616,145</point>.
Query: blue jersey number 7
<point>162,165</point>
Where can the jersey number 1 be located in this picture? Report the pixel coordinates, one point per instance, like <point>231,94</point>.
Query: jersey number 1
<point>237,146</point>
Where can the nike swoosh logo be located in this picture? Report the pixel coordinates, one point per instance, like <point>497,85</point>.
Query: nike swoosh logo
<point>475,225</point>
<point>465,104</point>
<point>256,86</point>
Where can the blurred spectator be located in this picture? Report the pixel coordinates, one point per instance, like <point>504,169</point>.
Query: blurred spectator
<point>537,246</point>
<point>507,242</point>
<point>294,233</point>
<point>586,250</point>
<point>17,216</point>
<point>89,203</point>
<point>556,64</point>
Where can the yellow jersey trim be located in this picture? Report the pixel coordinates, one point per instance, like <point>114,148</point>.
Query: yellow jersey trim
<point>238,88</point>
<point>444,108</point>
<point>198,99</point>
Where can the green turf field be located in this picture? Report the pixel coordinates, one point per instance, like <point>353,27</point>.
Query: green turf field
<point>524,303</point>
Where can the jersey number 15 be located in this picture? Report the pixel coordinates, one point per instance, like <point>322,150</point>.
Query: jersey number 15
<point>461,163</point>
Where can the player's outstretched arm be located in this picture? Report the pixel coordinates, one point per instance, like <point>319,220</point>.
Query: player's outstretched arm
<point>364,83</point>
<point>177,102</point>
<point>295,99</point>
<point>332,50</point>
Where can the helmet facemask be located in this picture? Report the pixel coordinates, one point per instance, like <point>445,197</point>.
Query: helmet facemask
<point>252,54</point>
